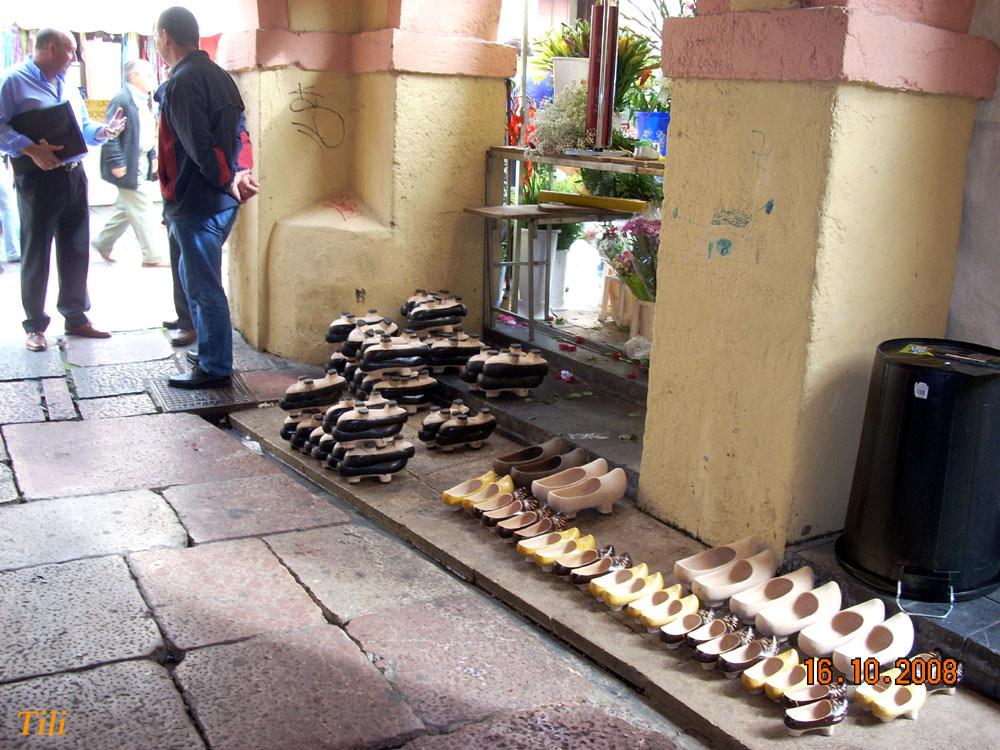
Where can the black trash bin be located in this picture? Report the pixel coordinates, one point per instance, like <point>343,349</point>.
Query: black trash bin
<point>924,514</point>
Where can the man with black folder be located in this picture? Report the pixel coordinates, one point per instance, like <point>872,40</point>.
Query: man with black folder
<point>51,187</point>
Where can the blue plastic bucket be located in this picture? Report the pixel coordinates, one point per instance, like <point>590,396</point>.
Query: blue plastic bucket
<point>652,126</point>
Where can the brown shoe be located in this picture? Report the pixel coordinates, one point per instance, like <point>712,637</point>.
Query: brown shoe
<point>88,331</point>
<point>183,337</point>
<point>36,342</point>
<point>156,264</point>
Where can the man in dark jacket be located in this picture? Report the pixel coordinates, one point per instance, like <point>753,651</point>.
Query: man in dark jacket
<point>204,169</point>
<point>126,162</point>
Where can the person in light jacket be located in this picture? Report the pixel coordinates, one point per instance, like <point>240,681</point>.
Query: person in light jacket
<point>129,161</point>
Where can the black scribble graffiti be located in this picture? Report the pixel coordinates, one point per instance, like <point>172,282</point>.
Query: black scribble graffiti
<point>322,117</point>
<point>759,151</point>
<point>731,218</point>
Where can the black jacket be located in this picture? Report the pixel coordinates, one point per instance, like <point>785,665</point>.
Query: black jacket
<point>123,151</point>
<point>203,139</point>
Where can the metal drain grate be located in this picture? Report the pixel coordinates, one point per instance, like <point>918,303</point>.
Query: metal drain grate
<point>205,401</point>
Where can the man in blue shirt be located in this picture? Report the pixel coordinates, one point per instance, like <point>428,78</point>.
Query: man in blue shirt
<point>51,193</point>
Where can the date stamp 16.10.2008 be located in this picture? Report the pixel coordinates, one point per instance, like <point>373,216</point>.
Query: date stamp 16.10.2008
<point>868,671</point>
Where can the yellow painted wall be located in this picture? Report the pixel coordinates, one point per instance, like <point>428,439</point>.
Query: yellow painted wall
<point>759,377</point>
<point>374,14</point>
<point>381,213</point>
<point>327,15</point>
<point>376,139</point>
<point>732,323</point>
<point>884,269</point>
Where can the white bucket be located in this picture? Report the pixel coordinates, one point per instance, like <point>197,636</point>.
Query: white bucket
<point>567,70</point>
<point>544,247</point>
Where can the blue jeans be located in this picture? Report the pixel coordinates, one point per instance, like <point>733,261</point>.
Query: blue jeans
<point>200,239</point>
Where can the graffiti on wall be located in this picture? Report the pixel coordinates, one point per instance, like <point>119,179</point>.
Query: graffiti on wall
<point>322,124</point>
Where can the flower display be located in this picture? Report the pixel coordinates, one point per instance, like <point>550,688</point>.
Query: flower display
<point>631,249</point>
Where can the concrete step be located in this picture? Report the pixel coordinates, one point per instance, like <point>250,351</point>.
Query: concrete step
<point>705,702</point>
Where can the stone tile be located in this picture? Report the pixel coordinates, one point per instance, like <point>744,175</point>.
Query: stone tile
<point>121,348</point>
<point>221,592</point>
<point>3,449</point>
<point>464,659</point>
<point>555,726</point>
<point>426,461</point>
<point>250,506</point>
<point>73,527</point>
<point>308,688</point>
<point>116,406</point>
<point>116,380</point>
<point>8,490</point>
<point>69,616</point>
<point>72,458</point>
<point>58,401</point>
<point>447,477</point>
<point>354,570</point>
<point>981,659</point>
<point>270,384</point>
<point>17,363</point>
<point>246,358</point>
<point>20,402</point>
<point>129,706</point>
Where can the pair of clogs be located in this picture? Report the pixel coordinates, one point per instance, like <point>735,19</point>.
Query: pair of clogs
<point>313,392</point>
<point>453,351</point>
<point>512,371</point>
<point>372,460</point>
<point>578,488</point>
<point>456,427</point>
<point>480,489</point>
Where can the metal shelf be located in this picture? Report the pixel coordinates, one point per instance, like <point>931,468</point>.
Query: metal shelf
<point>603,163</point>
<point>532,216</point>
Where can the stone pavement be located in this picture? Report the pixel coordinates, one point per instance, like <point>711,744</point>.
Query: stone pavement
<point>718,709</point>
<point>163,584</point>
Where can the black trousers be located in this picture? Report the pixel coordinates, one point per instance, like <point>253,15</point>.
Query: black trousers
<point>53,205</point>
<point>180,299</point>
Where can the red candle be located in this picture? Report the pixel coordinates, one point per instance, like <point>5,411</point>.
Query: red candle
<point>594,73</point>
<point>610,62</point>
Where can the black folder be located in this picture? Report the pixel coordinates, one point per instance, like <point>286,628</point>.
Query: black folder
<point>56,125</point>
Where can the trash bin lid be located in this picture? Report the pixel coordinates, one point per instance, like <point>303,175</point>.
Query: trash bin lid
<point>942,354</point>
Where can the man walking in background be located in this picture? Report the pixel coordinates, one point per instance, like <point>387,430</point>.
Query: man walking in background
<point>204,169</point>
<point>127,162</point>
<point>10,222</point>
<point>51,193</point>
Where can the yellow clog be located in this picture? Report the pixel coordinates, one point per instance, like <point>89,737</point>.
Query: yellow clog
<point>900,700</point>
<point>866,693</point>
<point>616,578</point>
<point>617,597</point>
<point>547,556</point>
<point>528,547</point>
<point>788,680</point>
<point>656,617</point>
<point>756,677</point>
<point>656,600</point>
<point>453,497</point>
<point>491,490</point>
